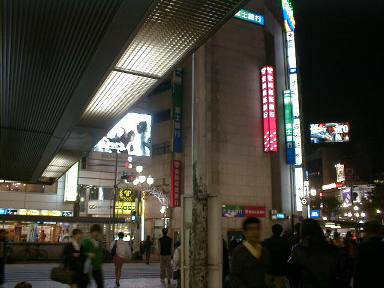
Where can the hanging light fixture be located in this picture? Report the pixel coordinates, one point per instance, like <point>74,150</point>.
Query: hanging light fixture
<point>150,180</point>
<point>139,169</point>
<point>142,179</point>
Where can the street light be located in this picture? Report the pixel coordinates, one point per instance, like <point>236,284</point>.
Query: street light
<point>362,214</point>
<point>313,192</point>
<point>378,211</point>
<point>150,180</point>
<point>136,182</point>
<point>142,179</point>
<point>139,169</point>
<point>349,214</point>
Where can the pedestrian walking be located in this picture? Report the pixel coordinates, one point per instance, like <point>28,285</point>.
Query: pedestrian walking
<point>74,259</point>
<point>250,259</point>
<point>120,251</point>
<point>177,264</point>
<point>165,244</point>
<point>92,249</point>
<point>370,256</point>
<point>3,253</point>
<point>314,262</point>
<point>147,249</point>
<point>278,251</point>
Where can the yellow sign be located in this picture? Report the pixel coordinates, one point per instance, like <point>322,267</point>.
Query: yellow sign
<point>54,213</point>
<point>33,212</point>
<point>127,195</point>
<point>124,208</point>
<point>22,212</point>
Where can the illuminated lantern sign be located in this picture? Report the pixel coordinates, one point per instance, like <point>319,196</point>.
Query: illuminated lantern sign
<point>269,109</point>
<point>175,183</point>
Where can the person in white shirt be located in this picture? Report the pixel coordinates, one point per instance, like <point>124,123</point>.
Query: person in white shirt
<point>120,251</point>
<point>177,264</point>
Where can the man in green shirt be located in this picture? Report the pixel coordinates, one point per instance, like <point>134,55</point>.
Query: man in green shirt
<point>92,248</point>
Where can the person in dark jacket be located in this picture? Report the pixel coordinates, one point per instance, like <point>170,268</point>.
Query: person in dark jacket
<point>278,251</point>
<point>165,244</point>
<point>147,249</point>
<point>250,259</point>
<point>74,259</point>
<point>314,263</point>
<point>369,264</point>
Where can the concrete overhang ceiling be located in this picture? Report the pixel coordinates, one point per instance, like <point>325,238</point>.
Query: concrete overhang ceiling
<point>71,69</point>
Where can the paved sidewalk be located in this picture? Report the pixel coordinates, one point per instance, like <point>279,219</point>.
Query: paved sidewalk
<point>135,275</point>
<point>128,283</point>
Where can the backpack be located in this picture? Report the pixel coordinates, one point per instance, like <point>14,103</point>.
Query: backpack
<point>113,250</point>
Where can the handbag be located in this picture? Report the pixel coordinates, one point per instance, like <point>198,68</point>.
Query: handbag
<point>63,275</point>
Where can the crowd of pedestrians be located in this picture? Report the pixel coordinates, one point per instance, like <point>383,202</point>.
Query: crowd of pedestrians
<point>83,258</point>
<point>309,258</point>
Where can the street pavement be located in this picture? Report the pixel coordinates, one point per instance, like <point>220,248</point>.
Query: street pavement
<point>135,275</point>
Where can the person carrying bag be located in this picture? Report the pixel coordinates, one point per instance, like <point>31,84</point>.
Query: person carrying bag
<point>71,271</point>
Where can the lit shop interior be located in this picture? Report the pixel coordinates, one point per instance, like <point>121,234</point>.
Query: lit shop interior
<point>21,200</point>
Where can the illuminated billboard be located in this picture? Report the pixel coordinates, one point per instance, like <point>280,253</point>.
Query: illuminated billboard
<point>329,132</point>
<point>269,109</point>
<point>131,135</point>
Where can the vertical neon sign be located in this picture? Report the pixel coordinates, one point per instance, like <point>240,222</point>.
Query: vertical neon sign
<point>295,133</point>
<point>269,109</point>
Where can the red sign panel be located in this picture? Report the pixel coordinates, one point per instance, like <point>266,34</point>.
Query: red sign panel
<point>175,183</point>
<point>259,212</point>
<point>269,109</point>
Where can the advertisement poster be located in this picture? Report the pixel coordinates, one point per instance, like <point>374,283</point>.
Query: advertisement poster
<point>329,132</point>
<point>131,135</point>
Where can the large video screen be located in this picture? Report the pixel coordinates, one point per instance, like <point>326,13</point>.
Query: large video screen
<point>330,132</point>
<point>131,135</point>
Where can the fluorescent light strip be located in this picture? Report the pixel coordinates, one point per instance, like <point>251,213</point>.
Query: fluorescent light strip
<point>118,92</point>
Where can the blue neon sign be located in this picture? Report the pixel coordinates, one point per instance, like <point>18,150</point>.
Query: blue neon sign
<point>250,16</point>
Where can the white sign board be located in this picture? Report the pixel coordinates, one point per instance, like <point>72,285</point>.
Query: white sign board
<point>99,207</point>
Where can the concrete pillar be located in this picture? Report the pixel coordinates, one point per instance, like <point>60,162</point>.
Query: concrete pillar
<point>202,235</point>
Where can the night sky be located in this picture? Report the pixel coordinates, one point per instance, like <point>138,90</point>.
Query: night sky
<point>341,62</point>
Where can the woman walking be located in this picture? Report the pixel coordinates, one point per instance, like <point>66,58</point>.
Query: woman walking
<point>74,259</point>
<point>120,251</point>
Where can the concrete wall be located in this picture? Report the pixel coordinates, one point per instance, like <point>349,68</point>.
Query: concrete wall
<point>53,199</point>
<point>239,172</point>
